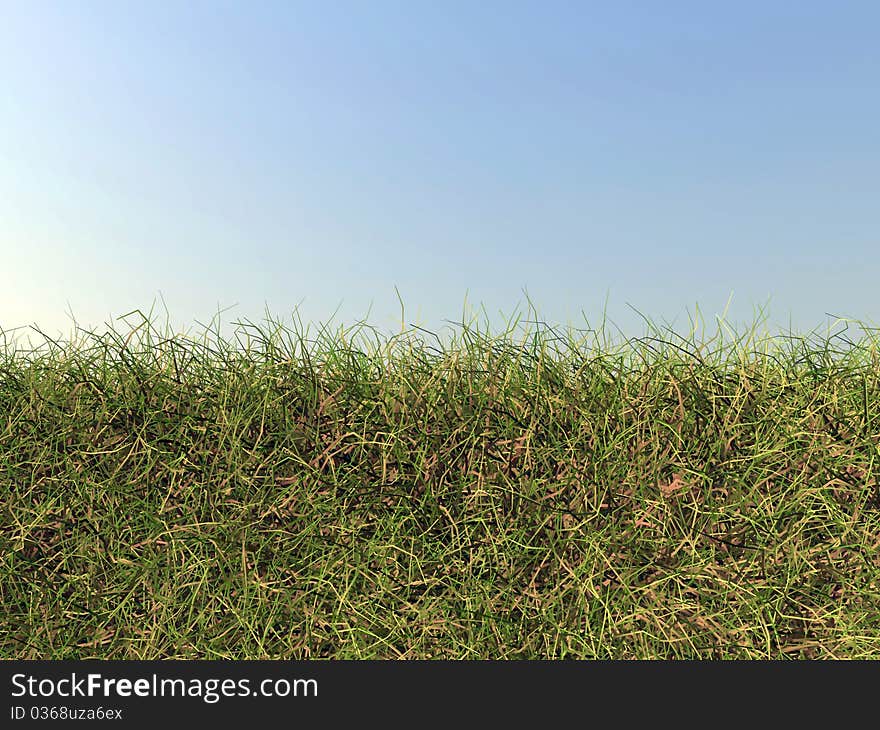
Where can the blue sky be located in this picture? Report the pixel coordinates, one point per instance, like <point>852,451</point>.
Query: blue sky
<point>284,154</point>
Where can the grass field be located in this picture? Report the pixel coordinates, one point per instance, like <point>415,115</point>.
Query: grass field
<point>529,493</point>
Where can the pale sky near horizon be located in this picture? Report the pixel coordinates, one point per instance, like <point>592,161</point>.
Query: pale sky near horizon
<point>272,155</point>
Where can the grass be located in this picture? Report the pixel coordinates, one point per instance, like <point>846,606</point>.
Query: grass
<point>524,494</point>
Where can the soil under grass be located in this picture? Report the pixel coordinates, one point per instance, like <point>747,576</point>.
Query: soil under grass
<point>537,494</point>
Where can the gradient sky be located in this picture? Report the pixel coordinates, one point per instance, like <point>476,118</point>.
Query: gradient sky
<point>276,154</point>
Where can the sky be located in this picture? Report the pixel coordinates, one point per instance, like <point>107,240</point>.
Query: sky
<point>593,158</point>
